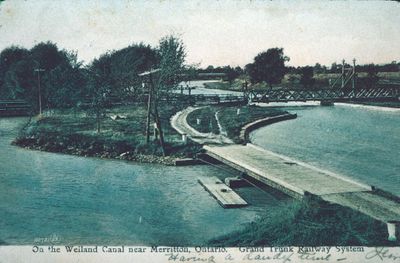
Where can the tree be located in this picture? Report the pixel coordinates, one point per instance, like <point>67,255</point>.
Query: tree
<point>335,68</point>
<point>318,69</point>
<point>231,74</point>
<point>99,87</point>
<point>126,64</point>
<point>172,56</point>
<point>171,52</point>
<point>9,81</point>
<point>268,66</point>
<point>372,77</point>
<point>307,74</point>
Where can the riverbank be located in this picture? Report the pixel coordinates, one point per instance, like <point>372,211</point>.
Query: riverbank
<point>121,136</point>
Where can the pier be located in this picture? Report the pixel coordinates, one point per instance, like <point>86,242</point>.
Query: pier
<point>299,180</point>
<point>225,196</point>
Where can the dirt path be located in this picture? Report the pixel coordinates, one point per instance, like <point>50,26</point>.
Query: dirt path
<point>179,123</point>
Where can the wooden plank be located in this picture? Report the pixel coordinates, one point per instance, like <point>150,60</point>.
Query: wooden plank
<point>225,196</point>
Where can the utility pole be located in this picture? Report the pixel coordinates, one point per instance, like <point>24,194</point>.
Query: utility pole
<point>38,70</point>
<point>353,82</point>
<point>152,109</point>
<point>149,101</point>
<point>343,71</point>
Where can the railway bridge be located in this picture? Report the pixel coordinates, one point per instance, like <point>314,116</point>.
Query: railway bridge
<point>346,87</point>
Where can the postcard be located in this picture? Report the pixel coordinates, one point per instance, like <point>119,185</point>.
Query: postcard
<point>199,131</point>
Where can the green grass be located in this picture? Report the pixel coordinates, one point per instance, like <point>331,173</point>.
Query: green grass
<point>232,123</point>
<point>208,123</point>
<point>236,85</point>
<point>72,131</point>
<point>309,223</point>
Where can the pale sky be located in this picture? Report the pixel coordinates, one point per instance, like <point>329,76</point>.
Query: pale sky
<point>214,32</point>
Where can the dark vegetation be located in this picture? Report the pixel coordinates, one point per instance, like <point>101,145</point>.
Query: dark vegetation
<point>309,223</point>
<point>268,70</point>
<point>48,78</point>
<point>268,67</point>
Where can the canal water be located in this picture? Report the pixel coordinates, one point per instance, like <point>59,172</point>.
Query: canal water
<point>198,88</point>
<point>357,142</point>
<point>82,200</point>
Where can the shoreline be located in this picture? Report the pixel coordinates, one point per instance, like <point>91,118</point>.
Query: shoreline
<point>127,156</point>
<point>369,107</point>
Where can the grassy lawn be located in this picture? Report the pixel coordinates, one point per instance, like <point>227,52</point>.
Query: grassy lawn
<point>206,115</point>
<point>230,122</point>
<point>74,132</point>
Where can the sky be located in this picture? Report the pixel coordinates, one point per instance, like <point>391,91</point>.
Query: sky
<point>214,32</point>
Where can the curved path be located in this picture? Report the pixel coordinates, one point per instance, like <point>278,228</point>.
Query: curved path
<point>179,123</point>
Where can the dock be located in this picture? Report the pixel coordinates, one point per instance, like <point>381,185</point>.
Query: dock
<point>299,179</point>
<point>225,196</point>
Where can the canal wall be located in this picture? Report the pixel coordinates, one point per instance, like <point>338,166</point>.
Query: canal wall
<point>245,131</point>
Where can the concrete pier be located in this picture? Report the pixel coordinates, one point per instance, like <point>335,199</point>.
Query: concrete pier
<point>225,196</point>
<point>299,179</point>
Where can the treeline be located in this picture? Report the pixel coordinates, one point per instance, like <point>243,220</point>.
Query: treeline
<point>317,68</point>
<point>62,76</point>
<point>337,68</point>
<point>269,67</point>
<point>65,82</point>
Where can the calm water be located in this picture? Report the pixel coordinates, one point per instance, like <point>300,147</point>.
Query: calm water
<point>357,142</point>
<point>89,200</point>
<point>199,89</point>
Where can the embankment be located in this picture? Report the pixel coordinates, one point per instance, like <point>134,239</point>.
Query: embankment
<point>245,131</point>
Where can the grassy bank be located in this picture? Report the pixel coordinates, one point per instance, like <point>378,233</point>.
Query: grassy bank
<point>309,223</point>
<point>208,122</point>
<point>73,132</point>
<point>230,121</point>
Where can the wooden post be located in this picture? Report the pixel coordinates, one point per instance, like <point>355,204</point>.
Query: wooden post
<point>342,74</point>
<point>184,138</point>
<point>353,81</point>
<point>155,131</point>
<point>148,114</point>
<point>391,226</point>
<point>157,118</point>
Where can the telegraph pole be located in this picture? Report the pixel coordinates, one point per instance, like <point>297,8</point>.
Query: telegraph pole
<point>353,83</point>
<point>343,71</point>
<point>38,70</point>
<point>152,109</point>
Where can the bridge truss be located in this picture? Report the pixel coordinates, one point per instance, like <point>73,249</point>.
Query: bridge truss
<point>343,88</point>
